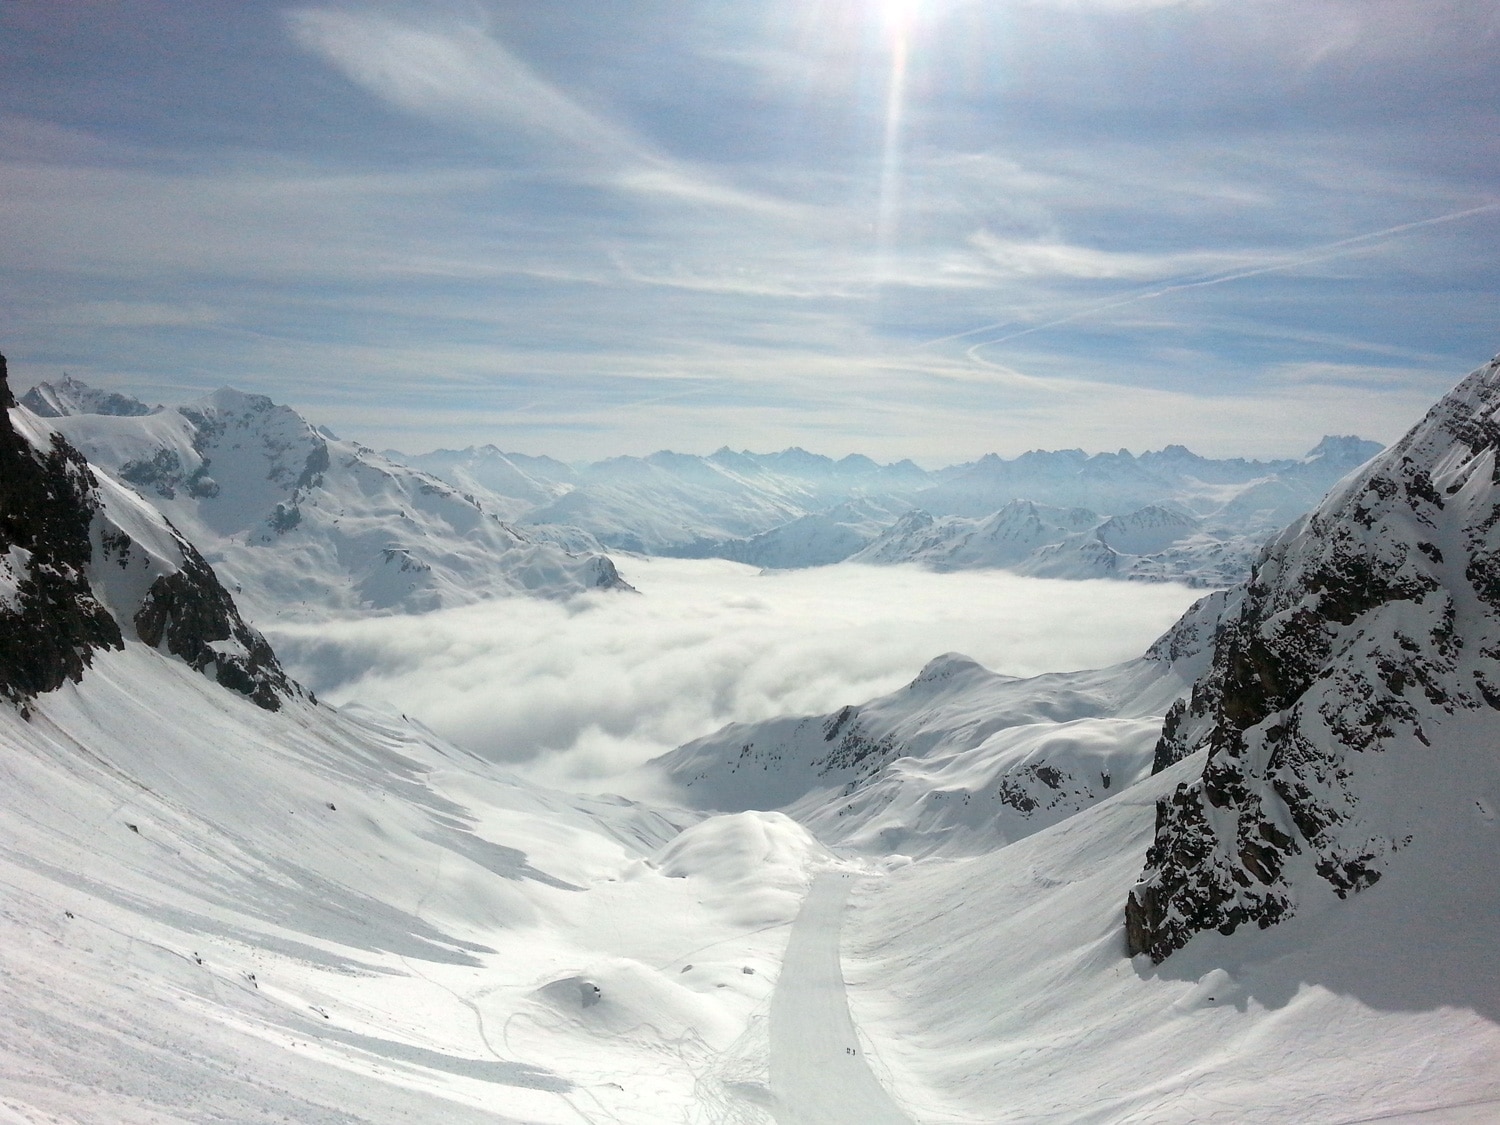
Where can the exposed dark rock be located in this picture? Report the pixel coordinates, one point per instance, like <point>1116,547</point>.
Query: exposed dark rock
<point>1346,644</point>
<point>198,621</point>
<point>53,622</point>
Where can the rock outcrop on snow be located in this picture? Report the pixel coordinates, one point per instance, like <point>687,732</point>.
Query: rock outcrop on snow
<point>1362,657</point>
<point>50,621</point>
<point>81,559</point>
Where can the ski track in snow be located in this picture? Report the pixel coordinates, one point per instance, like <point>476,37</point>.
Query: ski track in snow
<point>819,1075</point>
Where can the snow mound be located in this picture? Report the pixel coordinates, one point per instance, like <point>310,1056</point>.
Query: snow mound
<point>757,864</point>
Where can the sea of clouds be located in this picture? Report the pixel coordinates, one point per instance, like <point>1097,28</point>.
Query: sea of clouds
<point>583,691</point>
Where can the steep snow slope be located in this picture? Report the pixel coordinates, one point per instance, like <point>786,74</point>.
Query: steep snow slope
<point>216,911</point>
<point>294,519</point>
<point>961,760</point>
<point>1349,712</point>
<point>998,988</point>
<point>213,912</point>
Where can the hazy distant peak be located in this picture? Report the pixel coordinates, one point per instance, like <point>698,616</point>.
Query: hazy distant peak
<point>1345,447</point>
<point>71,396</point>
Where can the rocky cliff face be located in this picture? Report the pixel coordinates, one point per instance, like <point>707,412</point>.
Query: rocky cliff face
<point>82,562</point>
<point>1367,635</point>
<point>50,621</point>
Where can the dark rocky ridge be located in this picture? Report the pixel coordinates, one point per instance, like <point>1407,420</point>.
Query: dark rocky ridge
<point>50,628</point>
<point>58,535</point>
<point>1361,628</point>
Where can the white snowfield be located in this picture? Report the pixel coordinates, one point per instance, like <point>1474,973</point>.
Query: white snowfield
<point>217,913</point>
<point>819,1069</point>
<point>998,989</point>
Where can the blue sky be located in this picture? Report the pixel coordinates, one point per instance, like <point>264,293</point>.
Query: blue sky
<point>926,228</point>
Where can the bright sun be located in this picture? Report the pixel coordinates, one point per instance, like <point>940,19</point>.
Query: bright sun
<point>899,14</point>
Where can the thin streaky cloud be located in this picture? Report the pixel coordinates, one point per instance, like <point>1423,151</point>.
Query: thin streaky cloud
<point>465,78</point>
<point>1325,253</point>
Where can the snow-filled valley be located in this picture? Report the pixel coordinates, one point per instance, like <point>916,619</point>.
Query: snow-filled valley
<point>310,758</point>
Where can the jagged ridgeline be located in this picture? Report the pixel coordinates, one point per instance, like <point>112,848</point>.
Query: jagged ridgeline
<point>81,560</point>
<point>1351,693</point>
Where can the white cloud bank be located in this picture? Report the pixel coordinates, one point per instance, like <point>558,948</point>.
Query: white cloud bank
<point>583,691</point>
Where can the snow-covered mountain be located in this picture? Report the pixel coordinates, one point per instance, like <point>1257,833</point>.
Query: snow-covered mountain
<point>1348,718</point>
<point>1314,926</point>
<point>297,520</point>
<point>513,483</point>
<point>85,564</point>
<point>1155,543</point>
<point>70,396</point>
<point>818,539</point>
<point>218,911</point>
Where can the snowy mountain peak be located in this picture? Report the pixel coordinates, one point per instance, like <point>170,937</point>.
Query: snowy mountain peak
<point>296,518</point>
<point>1348,708</point>
<point>84,559</point>
<point>71,396</point>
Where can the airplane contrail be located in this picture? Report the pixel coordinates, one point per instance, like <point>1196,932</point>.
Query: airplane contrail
<point>1320,254</point>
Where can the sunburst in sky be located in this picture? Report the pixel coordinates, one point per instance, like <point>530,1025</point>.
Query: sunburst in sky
<point>903,228</point>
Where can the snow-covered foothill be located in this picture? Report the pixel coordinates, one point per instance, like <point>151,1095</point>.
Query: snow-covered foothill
<point>817,539</point>
<point>1156,543</point>
<point>961,760</point>
<point>755,865</point>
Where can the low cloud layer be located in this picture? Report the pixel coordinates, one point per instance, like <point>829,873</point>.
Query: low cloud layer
<point>583,691</point>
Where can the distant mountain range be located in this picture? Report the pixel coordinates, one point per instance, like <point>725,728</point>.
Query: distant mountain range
<point>356,529</point>
<point>1166,515</point>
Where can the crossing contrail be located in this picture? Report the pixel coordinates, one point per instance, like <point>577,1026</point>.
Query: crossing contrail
<point>1319,254</point>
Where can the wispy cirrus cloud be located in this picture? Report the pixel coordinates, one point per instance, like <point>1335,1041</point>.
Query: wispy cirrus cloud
<point>463,77</point>
<point>457,74</point>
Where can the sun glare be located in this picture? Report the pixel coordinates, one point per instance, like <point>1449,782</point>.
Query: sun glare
<point>899,15</point>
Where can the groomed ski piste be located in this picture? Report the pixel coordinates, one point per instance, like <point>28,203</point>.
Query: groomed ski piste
<point>217,911</point>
